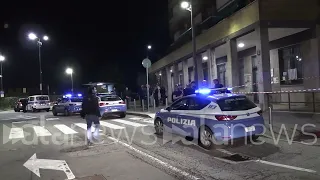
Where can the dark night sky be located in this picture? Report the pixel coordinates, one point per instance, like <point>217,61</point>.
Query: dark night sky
<point>100,41</point>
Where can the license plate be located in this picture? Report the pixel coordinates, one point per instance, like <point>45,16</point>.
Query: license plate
<point>250,129</point>
<point>114,110</point>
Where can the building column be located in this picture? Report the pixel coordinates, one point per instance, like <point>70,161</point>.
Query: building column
<point>176,74</point>
<point>185,72</point>
<point>200,68</point>
<point>232,67</point>
<point>263,65</point>
<point>169,83</point>
<point>212,67</point>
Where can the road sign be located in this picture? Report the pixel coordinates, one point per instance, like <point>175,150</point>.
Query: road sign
<point>34,164</point>
<point>146,63</point>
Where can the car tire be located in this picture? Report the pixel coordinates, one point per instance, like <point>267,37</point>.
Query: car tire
<point>47,110</point>
<point>15,110</point>
<point>122,115</point>
<point>54,112</point>
<point>254,137</point>
<point>158,126</point>
<point>34,109</point>
<point>205,138</point>
<point>66,112</point>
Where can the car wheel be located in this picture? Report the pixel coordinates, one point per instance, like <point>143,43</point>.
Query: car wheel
<point>122,115</point>
<point>158,126</point>
<point>15,110</point>
<point>47,110</point>
<point>254,137</point>
<point>205,138</point>
<point>66,112</point>
<point>34,109</point>
<point>54,112</point>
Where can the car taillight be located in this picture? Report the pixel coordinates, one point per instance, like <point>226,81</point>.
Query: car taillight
<point>260,112</point>
<point>122,102</point>
<point>103,104</point>
<point>225,118</point>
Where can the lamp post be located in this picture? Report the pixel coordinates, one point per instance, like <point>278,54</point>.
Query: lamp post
<point>188,6</point>
<point>149,47</point>
<point>2,58</point>
<point>70,71</point>
<point>34,37</point>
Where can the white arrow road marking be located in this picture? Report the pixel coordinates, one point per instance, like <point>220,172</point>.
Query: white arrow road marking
<point>84,126</point>
<point>34,164</point>
<point>65,129</point>
<point>111,126</point>
<point>129,123</point>
<point>41,131</point>
<point>16,133</point>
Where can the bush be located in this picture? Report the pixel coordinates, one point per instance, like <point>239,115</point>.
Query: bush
<point>8,102</point>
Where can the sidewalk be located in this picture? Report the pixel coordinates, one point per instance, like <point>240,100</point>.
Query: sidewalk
<point>295,124</point>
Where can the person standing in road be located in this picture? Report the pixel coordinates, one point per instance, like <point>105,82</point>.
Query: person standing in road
<point>127,95</point>
<point>91,113</point>
<point>163,95</point>
<point>24,104</point>
<point>217,84</point>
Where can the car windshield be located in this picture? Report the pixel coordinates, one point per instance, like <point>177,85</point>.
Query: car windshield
<point>76,99</point>
<point>240,103</point>
<point>110,98</point>
<point>42,98</point>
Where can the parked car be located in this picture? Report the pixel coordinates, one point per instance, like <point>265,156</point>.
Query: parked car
<point>19,104</point>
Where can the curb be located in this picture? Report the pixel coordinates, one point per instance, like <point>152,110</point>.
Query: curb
<point>138,114</point>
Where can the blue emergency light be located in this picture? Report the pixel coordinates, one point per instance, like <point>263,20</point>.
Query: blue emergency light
<point>70,95</point>
<point>207,91</point>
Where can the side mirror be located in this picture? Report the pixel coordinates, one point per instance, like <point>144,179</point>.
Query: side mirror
<point>168,108</point>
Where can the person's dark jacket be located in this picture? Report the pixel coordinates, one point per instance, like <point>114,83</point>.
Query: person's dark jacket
<point>90,106</point>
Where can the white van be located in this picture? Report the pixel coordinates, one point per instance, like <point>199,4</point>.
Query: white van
<point>38,103</point>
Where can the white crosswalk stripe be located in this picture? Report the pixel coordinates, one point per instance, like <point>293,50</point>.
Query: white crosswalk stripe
<point>84,126</point>
<point>16,133</point>
<point>129,123</point>
<point>111,126</point>
<point>41,131</point>
<point>65,129</point>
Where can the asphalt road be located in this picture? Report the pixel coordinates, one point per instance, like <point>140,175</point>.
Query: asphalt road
<point>40,146</point>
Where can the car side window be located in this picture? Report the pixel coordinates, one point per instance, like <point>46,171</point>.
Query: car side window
<point>31,98</point>
<point>181,104</point>
<point>64,100</point>
<point>198,103</point>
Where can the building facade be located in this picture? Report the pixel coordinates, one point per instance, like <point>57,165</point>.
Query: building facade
<point>250,45</point>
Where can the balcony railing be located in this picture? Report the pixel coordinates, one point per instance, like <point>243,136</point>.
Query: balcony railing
<point>230,9</point>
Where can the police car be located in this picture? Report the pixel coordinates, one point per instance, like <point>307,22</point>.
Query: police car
<point>211,116</point>
<point>68,105</point>
<point>111,104</point>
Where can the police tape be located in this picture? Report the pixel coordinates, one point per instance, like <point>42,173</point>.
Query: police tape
<point>278,92</point>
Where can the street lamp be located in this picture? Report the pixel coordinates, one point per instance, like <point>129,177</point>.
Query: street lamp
<point>188,6</point>
<point>2,58</point>
<point>70,71</point>
<point>34,37</point>
<point>149,47</point>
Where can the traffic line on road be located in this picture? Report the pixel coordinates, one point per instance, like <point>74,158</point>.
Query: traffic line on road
<point>145,120</point>
<point>84,126</point>
<point>111,126</point>
<point>16,133</point>
<point>129,123</point>
<point>135,118</point>
<point>162,163</point>
<point>286,166</point>
<point>65,129</point>
<point>18,122</point>
<point>41,131</point>
<point>52,119</point>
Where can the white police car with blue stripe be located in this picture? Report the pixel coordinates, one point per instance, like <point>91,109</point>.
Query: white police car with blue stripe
<point>211,116</point>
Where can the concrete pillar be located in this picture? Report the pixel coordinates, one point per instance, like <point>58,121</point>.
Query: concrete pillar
<point>263,65</point>
<point>232,67</point>
<point>212,67</point>
<point>169,83</point>
<point>176,74</point>
<point>200,68</point>
<point>185,72</point>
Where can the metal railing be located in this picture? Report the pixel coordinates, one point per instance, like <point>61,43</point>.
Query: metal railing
<point>291,101</point>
